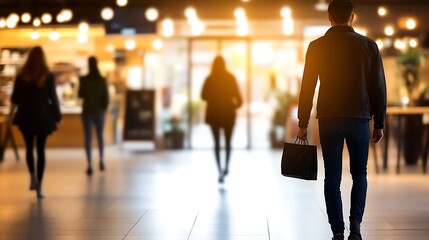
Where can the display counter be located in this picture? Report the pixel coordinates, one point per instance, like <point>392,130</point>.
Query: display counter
<point>70,130</point>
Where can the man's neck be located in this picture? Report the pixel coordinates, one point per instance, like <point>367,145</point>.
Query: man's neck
<point>340,24</point>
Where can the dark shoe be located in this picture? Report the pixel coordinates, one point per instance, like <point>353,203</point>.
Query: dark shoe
<point>225,172</point>
<point>89,171</point>
<point>102,168</point>
<point>33,184</point>
<point>220,179</point>
<point>338,236</point>
<point>39,192</point>
<point>355,236</point>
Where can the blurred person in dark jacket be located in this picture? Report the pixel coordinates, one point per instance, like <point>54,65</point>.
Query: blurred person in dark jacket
<point>37,111</point>
<point>352,92</point>
<point>93,90</point>
<point>220,91</point>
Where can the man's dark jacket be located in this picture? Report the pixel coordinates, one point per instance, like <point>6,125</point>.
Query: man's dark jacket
<point>351,75</point>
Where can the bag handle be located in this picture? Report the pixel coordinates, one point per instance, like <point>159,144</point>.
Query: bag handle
<point>301,141</point>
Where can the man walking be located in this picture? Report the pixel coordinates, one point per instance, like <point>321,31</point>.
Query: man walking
<point>352,91</point>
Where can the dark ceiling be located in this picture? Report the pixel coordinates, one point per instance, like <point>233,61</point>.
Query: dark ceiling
<point>132,16</point>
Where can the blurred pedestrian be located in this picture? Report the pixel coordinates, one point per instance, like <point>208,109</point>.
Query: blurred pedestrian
<point>37,111</point>
<point>352,92</point>
<point>222,95</point>
<point>94,92</point>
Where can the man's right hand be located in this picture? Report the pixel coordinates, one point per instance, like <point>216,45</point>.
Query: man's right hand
<point>302,133</point>
<point>377,135</point>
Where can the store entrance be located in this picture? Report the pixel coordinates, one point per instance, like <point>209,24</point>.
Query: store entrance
<point>267,72</point>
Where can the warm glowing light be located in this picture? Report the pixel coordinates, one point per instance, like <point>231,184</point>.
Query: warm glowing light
<point>382,11</point>
<point>130,44</point>
<point>26,17</point>
<point>288,26</point>
<point>167,27</point>
<point>46,18</point>
<point>197,28</point>
<point>321,6</point>
<point>411,24</point>
<point>83,27</point>
<point>34,35</point>
<point>400,45</point>
<point>190,12</point>
<point>2,22</point>
<point>54,36</point>
<point>413,43</point>
<point>240,13</point>
<point>405,101</point>
<point>151,14</point>
<point>389,31</point>
<point>121,3</point>
<point>157,44</point>
<point>242,29</point>
<point>286,12</point>
<point>110,48</point>
<point>380,44</point>
<point>82,38</point>
<point>65,15</point>
<point>11,24</point>
<point>37,22</point>
<point>107,13</point>
<point>13,17</point>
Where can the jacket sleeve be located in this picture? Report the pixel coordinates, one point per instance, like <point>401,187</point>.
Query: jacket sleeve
<point>55,105</point>
<point>80,91</point>
<point>308,85</point>
<point>377,90</point>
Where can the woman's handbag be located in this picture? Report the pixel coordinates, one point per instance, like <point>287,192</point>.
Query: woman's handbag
<point>299,160</point>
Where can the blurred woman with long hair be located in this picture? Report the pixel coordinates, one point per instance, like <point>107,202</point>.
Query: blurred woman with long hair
<point>94,92</point>
<point>37,114</point>
<point>220,91</point>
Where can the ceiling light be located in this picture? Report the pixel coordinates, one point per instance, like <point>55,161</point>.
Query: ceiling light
<point>380,43</point>
<point>151,14</point>
<point>190,12</point>
<point>411,24</point>
<point>107,13</point>
<point>322,6</point>
<point>66,15</point>
<point>13,17</point>
<point>382,11</point>
<point>240,13</point>
<point>122,3</point>
<point>2,22</point>
<point>46,18</point>
<point>26,17</point>
<point>197,28</point>
<point>286,12</point>
<point>10,23</point>
<point>399,44</point>
<point>36,22</point>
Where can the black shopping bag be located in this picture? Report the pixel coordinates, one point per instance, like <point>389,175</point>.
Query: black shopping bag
<point>299,160</point>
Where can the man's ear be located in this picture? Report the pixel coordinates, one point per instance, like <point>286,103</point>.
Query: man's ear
<point>352,18</point>
<point>330,19</point>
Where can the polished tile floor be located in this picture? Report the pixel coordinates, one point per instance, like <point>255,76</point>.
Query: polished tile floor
<point>174,195</point>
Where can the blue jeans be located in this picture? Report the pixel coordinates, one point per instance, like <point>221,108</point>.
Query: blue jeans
<point>98,120</point>
<point>355,132</point>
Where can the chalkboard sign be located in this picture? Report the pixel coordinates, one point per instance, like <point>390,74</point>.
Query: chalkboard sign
<point>139,121</point>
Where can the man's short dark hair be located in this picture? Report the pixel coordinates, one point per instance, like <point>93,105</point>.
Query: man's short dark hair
<point>341,10</point>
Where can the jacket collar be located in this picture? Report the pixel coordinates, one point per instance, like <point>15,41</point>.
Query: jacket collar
<point>340,29</point>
